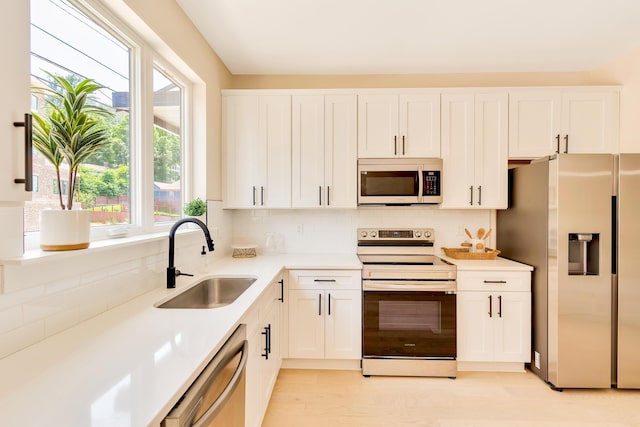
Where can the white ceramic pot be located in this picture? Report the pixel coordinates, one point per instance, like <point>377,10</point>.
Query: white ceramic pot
<point>63,230</point>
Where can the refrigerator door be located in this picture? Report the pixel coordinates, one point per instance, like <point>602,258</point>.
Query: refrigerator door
<point>628,375</point>
<point>579,288</point>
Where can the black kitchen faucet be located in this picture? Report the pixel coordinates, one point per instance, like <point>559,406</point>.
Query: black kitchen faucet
<point>172,273</point>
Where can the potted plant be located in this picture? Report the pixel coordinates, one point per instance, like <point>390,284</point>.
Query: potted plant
<point>69,131</point>
<point>196,208</point>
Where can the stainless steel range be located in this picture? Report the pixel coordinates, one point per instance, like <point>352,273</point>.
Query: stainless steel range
<point>409,304</point>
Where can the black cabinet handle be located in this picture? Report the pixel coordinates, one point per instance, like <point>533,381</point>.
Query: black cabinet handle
<point>490,306</point>
<point>471,195</point>
<point>499,305</point>
<point>495,281</point>
<point>319,195</point>
<point>319,304</point>
<point>254,195</point>
<point>267,339</point>
<point>479,195</point>
<point>281,299</point>
<point>395,145</point>
<point>325,280</point>
<point>261,195</point>
<point>403,145</point>
<point>328,198</point>
<point>329,308</point>
<point>28,152</point>
<point>558,143</point>
<point>566,144</point>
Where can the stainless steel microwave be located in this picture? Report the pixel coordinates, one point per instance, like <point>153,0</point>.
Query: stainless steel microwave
<point>399,181</point>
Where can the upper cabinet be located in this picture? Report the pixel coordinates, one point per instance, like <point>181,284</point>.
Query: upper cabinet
<point>256,138</point>
<point>474,150</point>
<point>399,125</point>
<point>324,151</point>
<point>547,121</point>
<point>16,94</point>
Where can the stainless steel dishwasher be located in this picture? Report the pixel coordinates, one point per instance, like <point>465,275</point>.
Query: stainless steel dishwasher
<point>216,398</point>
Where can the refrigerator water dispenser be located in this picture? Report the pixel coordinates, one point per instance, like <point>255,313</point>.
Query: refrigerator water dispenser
<point>584,254</point>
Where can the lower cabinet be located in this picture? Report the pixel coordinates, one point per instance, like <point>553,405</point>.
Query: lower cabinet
<point>493,320</point>
<point>264,334</point>
<point>325,314</point>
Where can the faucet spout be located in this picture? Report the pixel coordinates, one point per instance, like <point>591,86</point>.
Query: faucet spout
<point>171,270</point>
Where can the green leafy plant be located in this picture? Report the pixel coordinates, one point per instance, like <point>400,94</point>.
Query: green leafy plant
<point>71,129</point>
<point>196,207</point>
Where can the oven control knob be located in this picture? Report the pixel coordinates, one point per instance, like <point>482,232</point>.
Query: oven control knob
<point>427,234</point>
<point>418,234</point>
<point>373,233</point>
<point>363,234</point>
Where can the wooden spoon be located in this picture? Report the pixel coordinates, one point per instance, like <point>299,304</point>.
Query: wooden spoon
<point>487,235</point>
<point>480,232</point>
<point>466,230</point>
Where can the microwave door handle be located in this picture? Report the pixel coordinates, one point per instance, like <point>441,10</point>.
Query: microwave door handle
<point>420,181</point>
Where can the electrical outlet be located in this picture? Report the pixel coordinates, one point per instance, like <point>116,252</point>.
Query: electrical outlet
<point>536,359</point>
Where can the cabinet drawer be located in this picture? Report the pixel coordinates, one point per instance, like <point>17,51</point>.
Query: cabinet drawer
<point>502,281</point>
<point>325,279</point>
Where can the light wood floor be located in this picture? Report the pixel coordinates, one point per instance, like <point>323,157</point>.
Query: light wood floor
<point>310,398</point>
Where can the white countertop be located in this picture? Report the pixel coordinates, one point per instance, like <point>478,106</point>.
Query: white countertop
<point>128,366</point>
<point>501,264</point>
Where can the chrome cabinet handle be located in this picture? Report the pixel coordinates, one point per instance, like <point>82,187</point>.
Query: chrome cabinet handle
<point>479,195</point>
<point>471,195</point>
<point>558,143</point>
<point>499,305</point>
<point>28,152</point>
<point>566,144</point>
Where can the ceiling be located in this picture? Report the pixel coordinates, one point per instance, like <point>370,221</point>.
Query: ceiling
<point>415,36</point>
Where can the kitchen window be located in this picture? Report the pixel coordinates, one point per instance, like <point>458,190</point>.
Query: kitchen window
<point>78,40</point>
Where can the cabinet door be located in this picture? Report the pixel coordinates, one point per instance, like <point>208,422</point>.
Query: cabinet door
<point>308,151</point>
<point>242,153</point>
<point>491,151</point>
<point>275,151</point>
<point>15,50</point>
<point>377,126</point>
<point>270,363</point>
<point>589,122</point>
<point>306,324</point>
<point>458,156</point>
<point>512,339</point>
<point>475,326</point>
<point>534,123</point>
<point>341,151</point>
<point>419,125</point>
<point>343,324</point>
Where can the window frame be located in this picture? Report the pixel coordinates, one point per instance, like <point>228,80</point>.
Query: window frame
<point>143,59</point>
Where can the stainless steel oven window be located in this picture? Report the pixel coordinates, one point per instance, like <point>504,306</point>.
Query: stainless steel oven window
<point>410,316</point>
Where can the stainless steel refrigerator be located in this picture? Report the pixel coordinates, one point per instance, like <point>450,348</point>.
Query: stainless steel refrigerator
<point>571,217</point>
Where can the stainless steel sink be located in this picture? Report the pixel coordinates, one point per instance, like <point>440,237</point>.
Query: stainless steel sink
<point>210,293</point>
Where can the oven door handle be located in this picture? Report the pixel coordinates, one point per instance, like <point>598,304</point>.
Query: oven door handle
<point>410,285</point>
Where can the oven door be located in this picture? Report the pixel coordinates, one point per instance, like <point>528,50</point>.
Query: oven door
<point>409,324</point>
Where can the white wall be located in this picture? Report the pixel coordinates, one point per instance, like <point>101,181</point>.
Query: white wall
<point>334,231</point>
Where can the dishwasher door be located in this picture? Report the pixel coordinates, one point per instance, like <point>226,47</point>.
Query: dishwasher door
<point>217,397</point>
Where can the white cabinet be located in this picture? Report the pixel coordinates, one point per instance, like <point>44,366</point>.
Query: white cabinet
<point>325,317</point>
<point>399,125</point>
<point>324,151</point>
<point>15,50</point>
<point>494,319</point>
<point>256,138</point>
<point>474,150</point>
<point>264,334</point>
<point>547,121</point>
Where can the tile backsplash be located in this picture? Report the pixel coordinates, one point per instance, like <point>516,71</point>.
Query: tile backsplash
<point>43,298</point>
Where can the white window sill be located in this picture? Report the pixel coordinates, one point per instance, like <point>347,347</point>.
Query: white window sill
<point>37,256</point>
